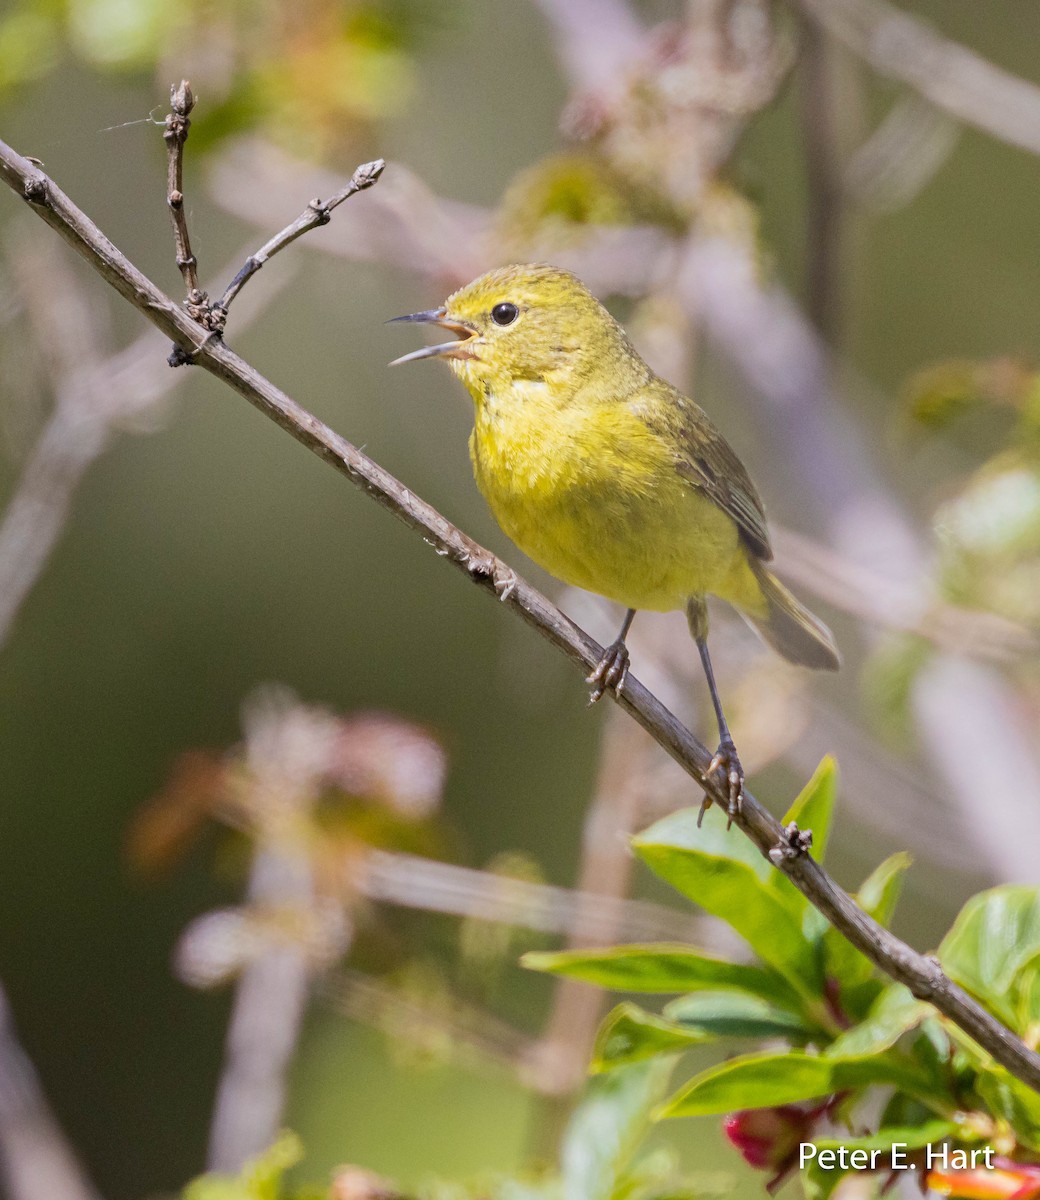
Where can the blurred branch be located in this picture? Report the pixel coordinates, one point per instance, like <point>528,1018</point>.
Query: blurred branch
<point>921,974</point>
<point>66,327</point>
<point>423,883</point>
<point>265,1021</point>
<point>819,117</point>
<point>394,1012</point>
<point>287,750</point>
<point>901,156</point>
<point>594,39</point>
<point>454,242</point>
<point>94,395</point>
<point>948,74</point>
<point>562,1053</point>
<point>35,1159</point>
<point>893,604</point>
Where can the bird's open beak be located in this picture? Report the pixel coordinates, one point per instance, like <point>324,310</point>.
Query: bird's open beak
<point>438,316</point>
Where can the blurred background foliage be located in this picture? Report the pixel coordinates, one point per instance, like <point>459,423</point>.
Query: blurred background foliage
<point>212,556</point>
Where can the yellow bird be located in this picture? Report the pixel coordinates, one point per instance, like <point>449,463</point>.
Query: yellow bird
<point>610,478</point>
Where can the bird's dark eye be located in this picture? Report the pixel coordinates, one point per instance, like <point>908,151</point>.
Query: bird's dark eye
<point>504,314</point>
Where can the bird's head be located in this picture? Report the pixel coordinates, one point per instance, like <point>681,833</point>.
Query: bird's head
<point>525,323</point>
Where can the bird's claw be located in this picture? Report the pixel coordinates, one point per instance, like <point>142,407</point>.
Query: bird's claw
<point>726,761</point>
<point>610,673</point>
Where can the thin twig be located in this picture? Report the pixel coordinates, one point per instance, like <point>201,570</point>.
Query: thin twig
<point>316,213</point>
<point>920,973</point>
<point>213,316</point>
<point>259,182</point>
<point>175,134</point>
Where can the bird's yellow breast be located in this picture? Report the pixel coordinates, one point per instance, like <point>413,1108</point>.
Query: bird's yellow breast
<point>590,492</point>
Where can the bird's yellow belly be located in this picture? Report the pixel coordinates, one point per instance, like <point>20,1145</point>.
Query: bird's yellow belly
<point>632,530</point>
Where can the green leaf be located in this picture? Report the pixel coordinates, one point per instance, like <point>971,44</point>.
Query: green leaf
<point>877,897</point>
<point>608,1126</point>
<point>880,891</point>
<point>1007,1097</point>
<point>933,1049</point>
<point>891,1015</point>
<point>995,935</point>
<point>725,884</point>
<point>764,1080</point>
<point>679,829</point>
<point>659,967</point>
<point>813,808</point>
<point>737,1015</point>
<point>631,1034</point>
<point>819,1182</point>
<point>1026,996</point>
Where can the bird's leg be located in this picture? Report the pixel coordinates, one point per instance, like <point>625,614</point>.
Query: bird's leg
<point>612,669</point>
<point>725,758</point>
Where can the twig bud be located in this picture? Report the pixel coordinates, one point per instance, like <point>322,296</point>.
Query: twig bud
<point>368,173</point>
<point>182,98</point>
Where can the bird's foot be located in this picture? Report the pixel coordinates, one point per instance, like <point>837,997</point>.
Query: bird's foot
<point>611,671</point>
<point>726,763</point>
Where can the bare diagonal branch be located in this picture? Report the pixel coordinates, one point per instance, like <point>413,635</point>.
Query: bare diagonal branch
<point>318,212</point>
<point>920,973</point>
<point>951,76</point>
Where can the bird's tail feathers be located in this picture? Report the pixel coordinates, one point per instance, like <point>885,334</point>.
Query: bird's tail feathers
<point>790,628</point>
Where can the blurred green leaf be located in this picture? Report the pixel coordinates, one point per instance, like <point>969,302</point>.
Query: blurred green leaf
<point>1007,1097</point>
<point>117,34</point>
<point>941,393</point>
<point>998,512</point>
<point>659,967</point>
<point>259,1179</point>
<point>888,680</point>
<point>630,1034</point>
<point>737,1015</point>
<point>608,1126</point>
<point>995,936</point>
<point>29,45</point>
<point>1026,996</point>
<point>726,884</point>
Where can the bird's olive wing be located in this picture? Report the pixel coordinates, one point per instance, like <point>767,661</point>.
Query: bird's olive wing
<point>709,462</point>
